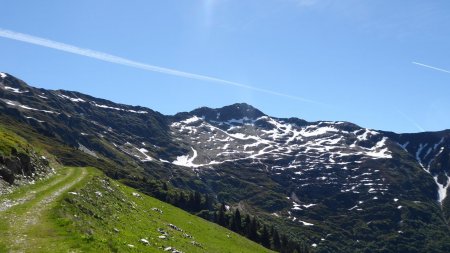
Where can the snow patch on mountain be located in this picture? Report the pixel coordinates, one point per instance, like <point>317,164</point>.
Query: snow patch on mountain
<point>366,134</point>
<point>380,150</point>
<point>305,223</point>
<point>419,151</point>
<point>187,161</point>
<point>309,205</point>
<point>132,150</point>
<point>191,120</point>
<point>442,188</point>
<point>15,90</point>
<point>76,100</point>
<point>296,206</point>
<point>17,104</point>
<point>40,121</point>
<point>116,108</point>
<point>232,122</point>
<point>144,152</point>
<point>312,131</point>
<point>86,150</point>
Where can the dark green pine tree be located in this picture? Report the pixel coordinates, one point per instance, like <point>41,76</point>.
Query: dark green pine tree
<point>221,216</point>
<point>232,224</point>
<point>254,230</point>
<point>303,248</point>
<point>247,222</point>
<point>197,201</point>
<point>165,187</point>
<point>265,237</point>
<point>236,224</point>
<point>207,204</point>
<point>292,246</point>
<point>276,244</point>
<point>181,200</point>
<point>191,201</point>
<point>284,244</point>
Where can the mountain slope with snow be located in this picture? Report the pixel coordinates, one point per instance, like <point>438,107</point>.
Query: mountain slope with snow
<point>334,185</point>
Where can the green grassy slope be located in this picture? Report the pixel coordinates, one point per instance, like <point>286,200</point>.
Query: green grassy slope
<point>10,141</point>
<point>23,223</point>
<point>99,214</point>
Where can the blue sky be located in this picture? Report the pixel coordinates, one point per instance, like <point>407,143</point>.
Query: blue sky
<point>351,60</point>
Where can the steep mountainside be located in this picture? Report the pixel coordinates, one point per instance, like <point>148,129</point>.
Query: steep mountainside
<point>335,185</point>
<point>431,152</point>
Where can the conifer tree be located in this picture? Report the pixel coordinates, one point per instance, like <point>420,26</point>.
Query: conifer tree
<point>284,244</point>
<point>221,215</point>
<point>197,201</point>
<point>254,230</point>
<point>247,223</point>
<point>276,244</point>
<point>181,200</point>
<point>265,237</point>
<point>237,222</point>
<point>207,203</point>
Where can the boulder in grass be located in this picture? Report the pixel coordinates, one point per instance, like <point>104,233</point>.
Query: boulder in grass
<point>175,227</point>
<point>145,241</point>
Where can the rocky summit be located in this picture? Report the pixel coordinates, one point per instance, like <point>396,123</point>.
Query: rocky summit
<point>335,186</point>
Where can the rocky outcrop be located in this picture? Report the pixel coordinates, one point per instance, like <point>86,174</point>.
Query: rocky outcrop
<point>22,168</point>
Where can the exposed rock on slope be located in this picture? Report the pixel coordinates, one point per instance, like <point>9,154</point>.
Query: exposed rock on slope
<point>19,162</point>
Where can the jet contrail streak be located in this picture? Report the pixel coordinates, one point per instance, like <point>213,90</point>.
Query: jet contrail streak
<point>134,64</point>
<point>413,122</point>
<point>431,67</point>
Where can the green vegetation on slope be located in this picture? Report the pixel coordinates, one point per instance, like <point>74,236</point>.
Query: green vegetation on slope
<point>106,216</point>
<point>10,142</point>
<point>23,223</point>
<point>97,214</point>
<point>45,141</point>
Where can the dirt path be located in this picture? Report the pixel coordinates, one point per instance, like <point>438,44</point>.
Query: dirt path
<point>28,196</point>
<point>26,214</point>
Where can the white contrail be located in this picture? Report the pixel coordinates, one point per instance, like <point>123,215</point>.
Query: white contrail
<point>431,67</point>
<point>413,122</point>
<point>134,64</point>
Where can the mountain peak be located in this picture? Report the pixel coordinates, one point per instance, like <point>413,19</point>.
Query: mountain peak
<point>3,75</point>
<point>234,111</point>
